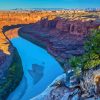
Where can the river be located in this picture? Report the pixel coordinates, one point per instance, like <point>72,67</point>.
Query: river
<point>40,69</point>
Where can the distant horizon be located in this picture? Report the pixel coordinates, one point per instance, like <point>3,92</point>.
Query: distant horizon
<point>68,4</point>
<point>51,9</point>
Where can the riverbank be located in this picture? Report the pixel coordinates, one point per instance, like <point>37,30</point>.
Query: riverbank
<point>37,62</point>
<point>38,42</point>
<point>13,76</point>
<point>57,89</point>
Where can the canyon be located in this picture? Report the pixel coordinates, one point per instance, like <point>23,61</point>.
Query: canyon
<point>62,38</point>
<point>61,33</point>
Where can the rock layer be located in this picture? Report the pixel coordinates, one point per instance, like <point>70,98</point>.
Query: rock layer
<point>63,38</point>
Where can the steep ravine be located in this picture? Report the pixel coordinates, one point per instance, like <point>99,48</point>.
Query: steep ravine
<point>10,65</point>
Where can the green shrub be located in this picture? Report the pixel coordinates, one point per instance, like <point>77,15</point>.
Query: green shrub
<point>76,63</point>
<point>91,57</point>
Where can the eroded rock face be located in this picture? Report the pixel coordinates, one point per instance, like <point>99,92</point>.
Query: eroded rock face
<point>91,83</point>
<point>4,44</point>
<point>68,26</point>
<point>5,51</point>
<point>6,59</point>
<point>63,38</point>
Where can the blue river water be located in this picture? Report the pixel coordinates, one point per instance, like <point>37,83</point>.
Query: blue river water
<point>40,69</point>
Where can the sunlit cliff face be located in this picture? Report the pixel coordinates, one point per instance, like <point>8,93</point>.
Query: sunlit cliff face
<point>21,17</point>
<point>14,18</point>
<point>4,44</point>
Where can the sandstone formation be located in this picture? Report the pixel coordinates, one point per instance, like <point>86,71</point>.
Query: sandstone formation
<point>62,37</point>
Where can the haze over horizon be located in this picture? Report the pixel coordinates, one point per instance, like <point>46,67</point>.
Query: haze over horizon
<point>24,4</point>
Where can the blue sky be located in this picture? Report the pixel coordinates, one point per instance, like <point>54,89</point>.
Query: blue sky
<point>11,4</point>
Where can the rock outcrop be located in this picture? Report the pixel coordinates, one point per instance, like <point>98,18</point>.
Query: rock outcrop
<point>90,83</point>
<point>69,26</point>
<point>59,91</point>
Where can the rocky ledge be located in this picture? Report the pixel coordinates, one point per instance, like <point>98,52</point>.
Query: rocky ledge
<point>58,90</point>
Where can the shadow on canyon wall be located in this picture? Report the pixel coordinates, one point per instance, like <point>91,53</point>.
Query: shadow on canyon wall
<point>7,28</point>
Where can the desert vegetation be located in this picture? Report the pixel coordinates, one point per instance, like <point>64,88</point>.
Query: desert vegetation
<point>91,57</point>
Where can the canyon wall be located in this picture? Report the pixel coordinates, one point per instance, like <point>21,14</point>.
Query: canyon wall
<point>6,51</point>
<point>62,37</point>
<point>10,65</point>
<point>69,26</point>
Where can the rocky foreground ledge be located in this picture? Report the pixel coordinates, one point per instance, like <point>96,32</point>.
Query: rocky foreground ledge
<point>10,65</point>
<point>58,91</point>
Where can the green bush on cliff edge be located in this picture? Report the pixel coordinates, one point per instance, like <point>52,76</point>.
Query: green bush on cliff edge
<point>14,75</point>
<point>91,57</point>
